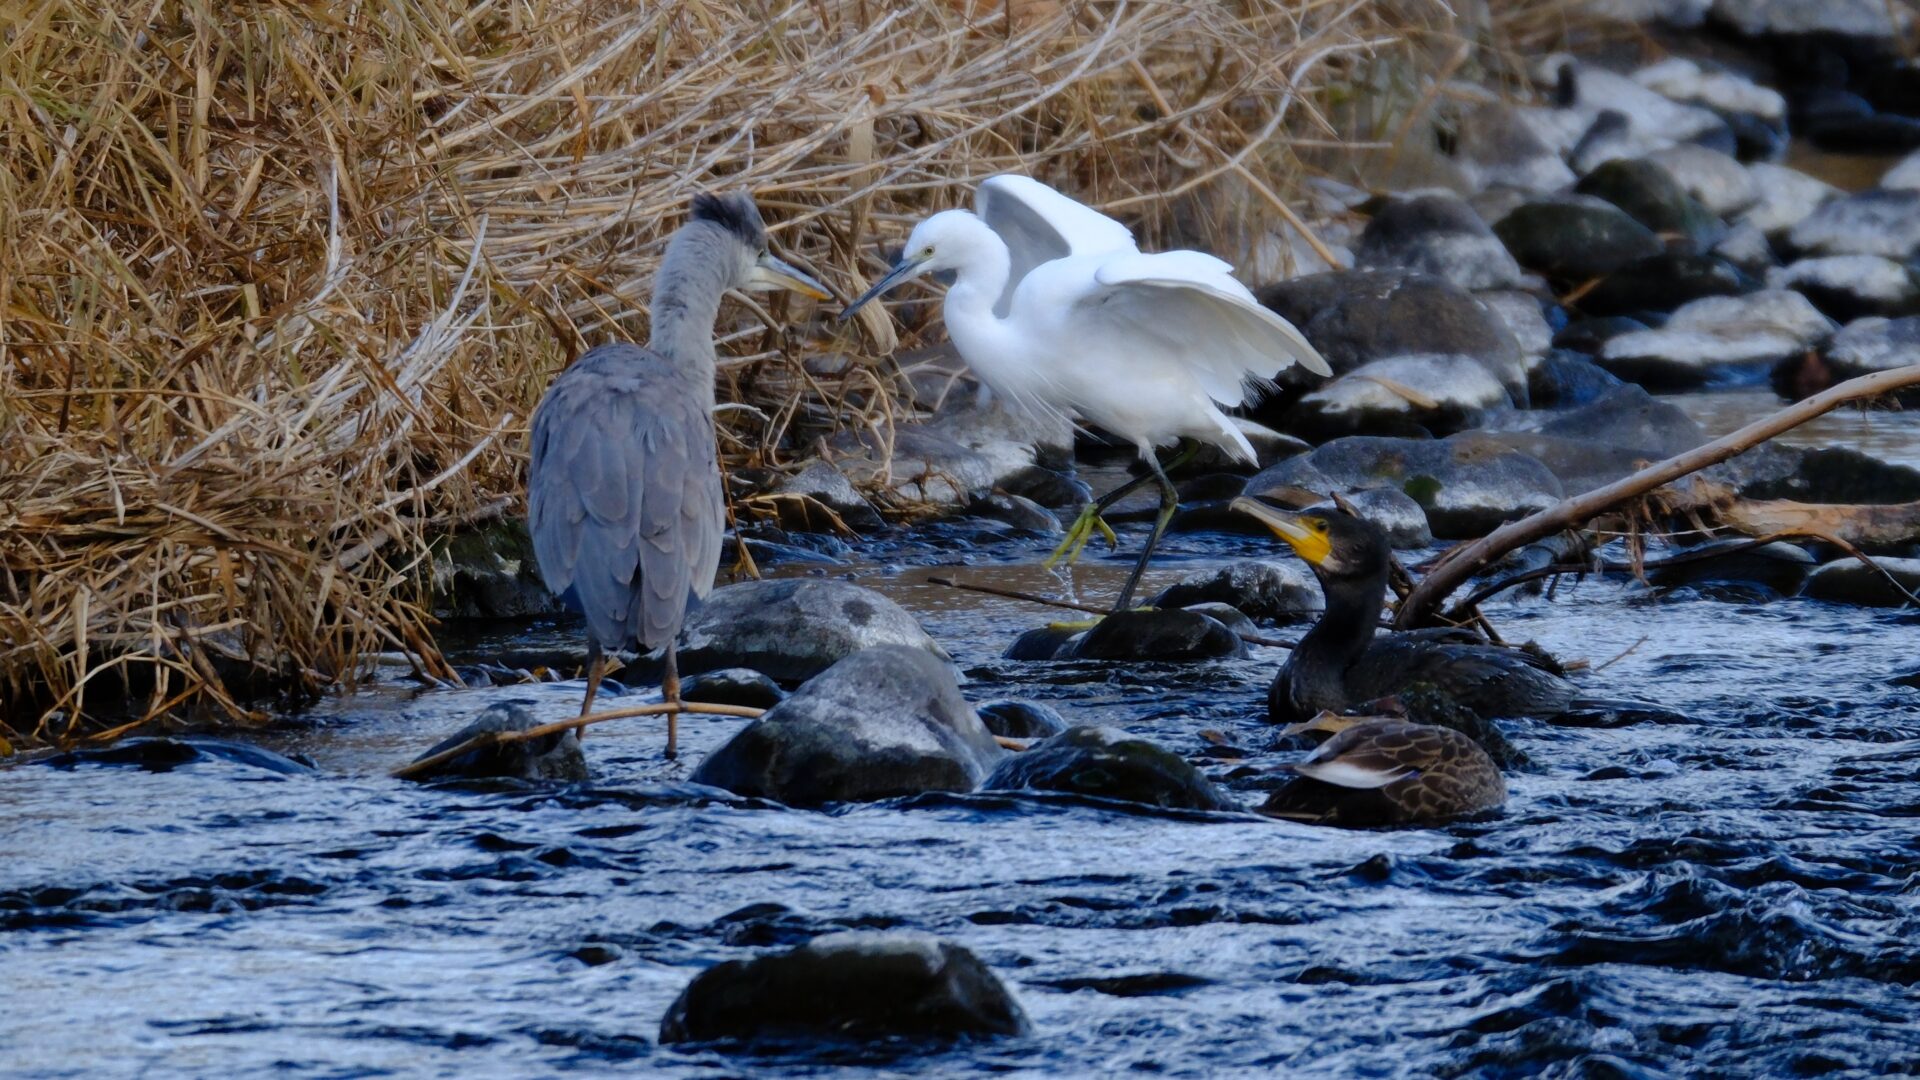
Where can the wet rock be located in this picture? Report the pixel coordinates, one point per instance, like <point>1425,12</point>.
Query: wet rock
<point>1009,438</point>
<point>1646,120</point>
<point>1108,764</point>
<point>1048,487</point>
<point>166,753</point>
<point>1869,223</point>
<point>1023,514</point>
<point>1716,181</point>
<point>1630,418</point>
<point>1357,316</point>
<point>1747,248</point>
<point>1784,198</point>
<point>733,686</point>
<point>1664,282</point>
<point>1402,395</point>
<point>1904,176</point>
<point>1468,484</point>
<point>1708,336</point>
<point>1756,114</point>
<point>1403,520</point>
<point>490,573</point>
<point>821,482</point>
<point>1874,344</point>
<point>884,722</point>
<point>1228,616</point>
<point>924,466</point>
<point>1575,237</point>
<point>1496,148</point>
<point>1833,474</point>
<point>550,757</point>
<point>1866,133</point>
<point>1849,581</point>
<point>1778,569</point>
<point>1789,18</point>
<point>1153,634</point>
<point>1652,197</point>
<point>1850,286</point>
<point>1438,234</point>
<point>792,629</point>
<point>1588,334</point>
<point>858,984</point>
<point>1278,592</point>
<point>1042,642</point>
<point>1524,319</point>
<point>1563,378</point>
<point>1012,719</point>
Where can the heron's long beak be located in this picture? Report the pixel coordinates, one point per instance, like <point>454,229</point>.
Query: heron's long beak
<point>904,270</point>
<point>771,273</point>
<point>1310,544</point>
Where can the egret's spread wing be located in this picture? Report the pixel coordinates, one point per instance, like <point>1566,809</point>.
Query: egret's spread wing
<point>623,494</point>
<point>1039,225</point>
<point>1191,305</point>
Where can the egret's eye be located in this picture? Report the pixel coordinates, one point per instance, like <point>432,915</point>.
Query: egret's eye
<point>927,252</point>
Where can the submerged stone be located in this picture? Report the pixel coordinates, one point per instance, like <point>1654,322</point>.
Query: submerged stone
<point>1849,581</point>
<point>733,686</point>
<point>885,722</point>
<point>1779,568</point>
<point>1109,764</point>
<point>550,757</point>
<point>791,629</point>
<point>1260,589</point>
<point>164,753</point>
<point>1154,634</point>
<point>1014,719</point>
<point>852,985</point>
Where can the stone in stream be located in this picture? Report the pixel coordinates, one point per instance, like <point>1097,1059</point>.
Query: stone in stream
<point>1429,393</point>
<point>1564,378</point>
<point>1403,520</point>
<point>1865,346</point>
<point>1279,592</point>
<point>1154,634</point>
<point>1587,335</point>
<point>1664,282</point>
<point>1904,176</point>
<point>1468,484</point>
<point>791,629</point>
<point>1495,147</point>
<point>828,486</point>
<point>1850,286</point>
<point>1652,197</point>
<point>733,686</point>
<point>1784,198</point>
<point>1438,234</point>
<point>1778,568</point>
<point>1833,474</point>
<point>1850,581</point>
<point>856,984</point>
<point>1630,418</point>
<point>1747,249</point>
<point>1868,223</point>
<point>885,722</point>
<point>1023,514</point>
<point>165,753</point>
<point>1757,115</point>
<point>550,757</point>
<point>1524,318</point>
<point>489,573</point>
<point>1637,121</point>
<point>1109,764</point>
<point>1015,719</point>
<point>1042,642</point>
<point>1706,338</point>
<point>1357,316</point>
<point>1046,487</point>
<point>1575,237</point>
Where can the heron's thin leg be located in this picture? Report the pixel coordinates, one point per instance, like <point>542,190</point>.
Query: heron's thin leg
<point>1090,518</point>
<point>670,690</point>
<point>594,672</point>
<point>1169,502</point>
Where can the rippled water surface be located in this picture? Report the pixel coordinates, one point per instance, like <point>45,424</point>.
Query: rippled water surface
<point>1735,895</point>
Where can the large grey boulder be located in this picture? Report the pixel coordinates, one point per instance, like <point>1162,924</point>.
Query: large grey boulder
<point>791,629</point>
<point>858,984</point>
<point>1872,222</point>
<point>550,757</point>
<point>1438,234</point>
<point>1468,484</point>
<point>1109,764</point>
<point>1429,393</point>
<point>885,722</point>
<point>1707,336</point>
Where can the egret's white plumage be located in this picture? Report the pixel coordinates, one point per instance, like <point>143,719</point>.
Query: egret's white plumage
<point>1056,308</point>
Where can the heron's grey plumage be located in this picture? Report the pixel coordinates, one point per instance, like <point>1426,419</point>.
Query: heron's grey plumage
<point>623,492</point>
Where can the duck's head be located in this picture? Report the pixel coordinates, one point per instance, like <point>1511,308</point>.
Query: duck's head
<point>1336,544</point>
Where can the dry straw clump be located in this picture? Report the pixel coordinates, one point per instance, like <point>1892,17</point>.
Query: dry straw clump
<point>283,281</point>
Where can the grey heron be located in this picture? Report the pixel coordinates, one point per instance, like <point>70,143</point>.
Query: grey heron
<point>1055,308</point>
<point>623,493</point>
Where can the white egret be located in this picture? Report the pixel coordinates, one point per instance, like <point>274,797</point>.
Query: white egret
<point>1057,310</point>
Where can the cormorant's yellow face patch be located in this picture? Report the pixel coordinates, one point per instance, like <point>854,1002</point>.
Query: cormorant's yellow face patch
<point>1305,533</point>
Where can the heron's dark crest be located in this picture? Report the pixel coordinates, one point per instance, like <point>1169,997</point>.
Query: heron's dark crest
<point>735,212</point>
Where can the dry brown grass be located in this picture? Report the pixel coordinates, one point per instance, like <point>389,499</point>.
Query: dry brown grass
<point>283,281</point>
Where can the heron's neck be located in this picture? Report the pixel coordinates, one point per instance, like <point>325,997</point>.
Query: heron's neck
<point>686,298</point>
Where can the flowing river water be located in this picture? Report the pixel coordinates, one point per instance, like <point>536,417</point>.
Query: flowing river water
<point>1738,894</point>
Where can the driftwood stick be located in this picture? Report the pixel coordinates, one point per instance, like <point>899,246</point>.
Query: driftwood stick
<point>1048,601</point>
<point>502,738</point>
<point>1462,563</point>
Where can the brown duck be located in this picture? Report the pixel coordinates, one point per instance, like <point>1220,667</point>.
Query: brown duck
<point>1387,772</point>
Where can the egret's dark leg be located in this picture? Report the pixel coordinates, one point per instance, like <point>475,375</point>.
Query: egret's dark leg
<point>1169,502</point>
<point>670,690</point>
<point>594,673</point>
<point>1090,518</point>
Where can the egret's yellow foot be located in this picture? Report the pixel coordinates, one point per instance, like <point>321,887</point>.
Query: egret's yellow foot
<point>1079,533</point>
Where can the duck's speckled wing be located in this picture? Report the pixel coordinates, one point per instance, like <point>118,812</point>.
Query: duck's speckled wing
<point>1386,772</point>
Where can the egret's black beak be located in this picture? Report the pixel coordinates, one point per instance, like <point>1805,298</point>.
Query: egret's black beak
<point>904,270</point>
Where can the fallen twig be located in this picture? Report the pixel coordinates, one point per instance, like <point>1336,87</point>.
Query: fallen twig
<point>502,738</point>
